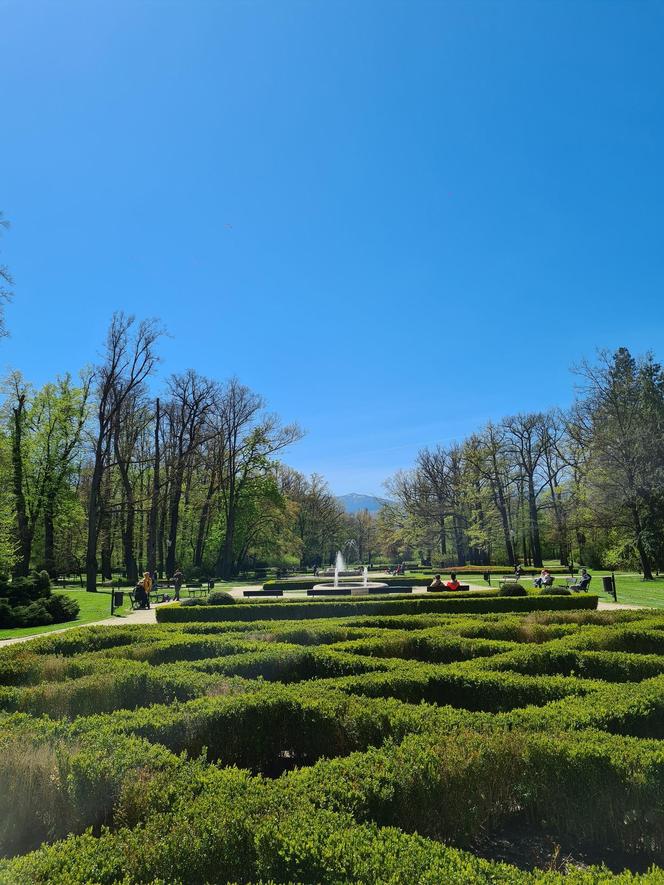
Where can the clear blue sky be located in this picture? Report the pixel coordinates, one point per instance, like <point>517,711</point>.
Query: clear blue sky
<point>396,220</point>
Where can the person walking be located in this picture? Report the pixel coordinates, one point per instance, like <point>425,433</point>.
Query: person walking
<point>147,587</point>
<point>178,579</point>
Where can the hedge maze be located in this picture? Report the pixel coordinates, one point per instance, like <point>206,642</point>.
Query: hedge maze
<point>387,745</point>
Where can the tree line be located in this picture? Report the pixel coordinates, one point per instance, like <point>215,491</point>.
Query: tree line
<point>101,476</point>
<point>584,483</point>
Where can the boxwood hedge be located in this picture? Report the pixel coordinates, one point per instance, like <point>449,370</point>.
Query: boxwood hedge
<point>371,742</point>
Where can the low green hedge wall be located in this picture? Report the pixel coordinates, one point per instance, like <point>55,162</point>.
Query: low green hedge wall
<point>466,688</point>
<point>335,821</point>
<point>443,603</point>
<point>444,716</point>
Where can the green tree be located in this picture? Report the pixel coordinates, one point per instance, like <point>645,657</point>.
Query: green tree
<point>620,421</point>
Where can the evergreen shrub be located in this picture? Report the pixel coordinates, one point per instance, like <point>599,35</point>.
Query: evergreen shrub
<point>512,589</point>
<point>220,597</point>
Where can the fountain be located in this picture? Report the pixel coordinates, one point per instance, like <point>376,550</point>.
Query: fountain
<point>356,587</point>
<point>339,569</point>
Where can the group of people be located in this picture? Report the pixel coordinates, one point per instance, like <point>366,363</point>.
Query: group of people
<point>452,584</point>
<point>545,579</point>
<point>397,569</point>
<point>149,583</point>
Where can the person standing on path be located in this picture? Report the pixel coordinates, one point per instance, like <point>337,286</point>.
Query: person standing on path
<point>147,586</point>
<point>178,578</point>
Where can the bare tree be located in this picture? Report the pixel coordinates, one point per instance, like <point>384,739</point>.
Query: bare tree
<point>248,440</point>
<point>6,283</point>
<point>526,446</point>
<point>489,456</point>
<point>188,414</point>
<point>128,360</point>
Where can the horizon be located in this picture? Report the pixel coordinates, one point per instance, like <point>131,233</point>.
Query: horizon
<point>395,223</point>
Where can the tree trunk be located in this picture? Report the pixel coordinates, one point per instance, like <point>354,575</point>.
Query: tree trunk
<point>174,517</point>
<point>163,510</point>
<point>49,533</point>
<point>646,566</point>
<point>501,506</point>
<point>22,566</point>
<point>443,539</point>
<point>534,525</point>
<point>225,564</point>
<point>129,522</point>
<point>93,522</point>
<point>153,519</point>
<point>106,526</point>
<point>459,540</point>
<point>203,522</point>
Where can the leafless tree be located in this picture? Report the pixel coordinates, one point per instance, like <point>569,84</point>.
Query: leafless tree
<point>129,359</point>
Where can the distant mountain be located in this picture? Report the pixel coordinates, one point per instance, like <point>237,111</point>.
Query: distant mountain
<point>354,502</point>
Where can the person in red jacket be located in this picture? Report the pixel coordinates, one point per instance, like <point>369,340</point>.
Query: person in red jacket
<point>453,584</point>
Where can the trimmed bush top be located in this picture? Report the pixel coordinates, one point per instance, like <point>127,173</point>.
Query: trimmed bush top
<point>351,741</point>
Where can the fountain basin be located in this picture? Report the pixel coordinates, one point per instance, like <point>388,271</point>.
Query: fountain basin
<point>357,588</point>
<point>346,573</point>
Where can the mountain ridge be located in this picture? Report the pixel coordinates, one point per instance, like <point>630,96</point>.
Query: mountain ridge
<point>353,502</point>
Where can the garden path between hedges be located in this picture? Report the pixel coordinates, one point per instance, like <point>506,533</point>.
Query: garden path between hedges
<point>143,616</point>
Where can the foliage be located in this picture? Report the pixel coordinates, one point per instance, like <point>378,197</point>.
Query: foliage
<point>402,741</point>
<point>513,589</point>
<point>451,603</point>
<point>220,597</point>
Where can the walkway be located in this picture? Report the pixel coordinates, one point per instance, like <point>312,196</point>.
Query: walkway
<point>142,616</point>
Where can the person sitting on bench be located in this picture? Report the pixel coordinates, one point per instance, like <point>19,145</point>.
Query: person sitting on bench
<point>141,596</point>
<point>583,582</point>
<point>544,580</point>
<point>453,584</point>
<point>436,584</point>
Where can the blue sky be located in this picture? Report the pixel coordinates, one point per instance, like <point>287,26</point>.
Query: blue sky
<point>396,220</point>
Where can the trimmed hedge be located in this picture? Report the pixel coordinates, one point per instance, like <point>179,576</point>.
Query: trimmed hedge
<point>377,736</point>
<point>451,603</point>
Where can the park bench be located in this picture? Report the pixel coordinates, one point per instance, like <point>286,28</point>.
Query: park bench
<point>445,589</point>
<point>535,577</point>
<point>333,591</point>
<point>390,589</point>
<point>573,584</point>
<point>197,591</point>
<point>262,592</point>
<point>155,596</point>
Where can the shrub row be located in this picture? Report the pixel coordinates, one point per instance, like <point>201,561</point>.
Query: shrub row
<point>558,658</point>
<point>335,821</point>
<point>464,687</point>
<point>444,603</point>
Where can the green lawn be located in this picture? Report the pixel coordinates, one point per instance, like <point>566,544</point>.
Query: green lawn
<point>630,588</point>
<point>94,607</point>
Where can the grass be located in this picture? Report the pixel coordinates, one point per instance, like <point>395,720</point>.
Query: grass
<point>94,607</point>
<point>631,589</point>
